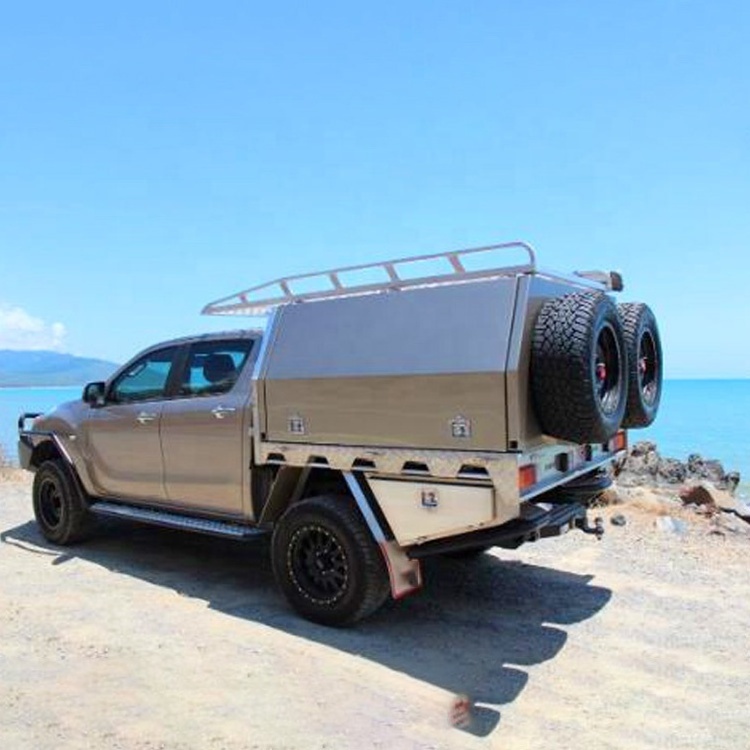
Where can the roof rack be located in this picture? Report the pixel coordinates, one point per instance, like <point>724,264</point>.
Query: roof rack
<point>394,274</point>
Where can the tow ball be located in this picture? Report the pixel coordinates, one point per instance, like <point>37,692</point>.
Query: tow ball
<point>597,529</point>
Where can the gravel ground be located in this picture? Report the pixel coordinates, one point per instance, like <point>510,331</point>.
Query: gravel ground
<point>145,638</point>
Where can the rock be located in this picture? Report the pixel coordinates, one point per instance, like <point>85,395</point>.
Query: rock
<point>729,522</point>
<point>705,468</point>
<point>731,480</point>
<point>618,520</point>
<point>732,505</point>
<point>705,494</point>
<point>707,511</point>
<point>642,448</point>
<point>671,525</point>
<point>696,494</point>
<point>610,496</point>
<point>672,470</point>
<point>643,465</point>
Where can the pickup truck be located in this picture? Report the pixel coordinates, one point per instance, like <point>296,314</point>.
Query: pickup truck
<point>433,405</point>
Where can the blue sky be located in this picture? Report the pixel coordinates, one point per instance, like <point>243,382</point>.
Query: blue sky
<point>156,156</point>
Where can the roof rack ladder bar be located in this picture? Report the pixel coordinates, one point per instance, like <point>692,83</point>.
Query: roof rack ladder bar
<point>391,271</point>
<point>458,267</point>
<point>243,302</point>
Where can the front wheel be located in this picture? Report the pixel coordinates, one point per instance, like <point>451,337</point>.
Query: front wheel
<point>59,506</point>
<point>327,563</point>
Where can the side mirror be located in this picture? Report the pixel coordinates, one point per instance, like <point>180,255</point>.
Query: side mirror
<point>93,394</point>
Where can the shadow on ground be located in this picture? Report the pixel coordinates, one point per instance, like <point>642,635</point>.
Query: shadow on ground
<point>475,628</point>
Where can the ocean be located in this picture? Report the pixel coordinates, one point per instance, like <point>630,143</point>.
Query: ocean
<point>710,417</point>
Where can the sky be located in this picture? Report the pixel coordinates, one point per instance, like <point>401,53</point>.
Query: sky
<point>157,156</point>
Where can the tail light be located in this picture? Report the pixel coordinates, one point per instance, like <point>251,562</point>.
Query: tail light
<point>619,442</point>
<point>526,477</point>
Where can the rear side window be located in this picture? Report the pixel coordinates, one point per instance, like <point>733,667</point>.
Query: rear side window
<point>213,366</point>
<point>146,379</point>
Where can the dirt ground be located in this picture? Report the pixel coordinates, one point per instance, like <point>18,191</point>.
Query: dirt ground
<point>145,639</point>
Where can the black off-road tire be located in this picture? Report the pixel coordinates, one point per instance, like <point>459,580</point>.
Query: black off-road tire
<point>326,562</point>
<point>645,366</point>
<point>60,506</point>
<point>579,368</point>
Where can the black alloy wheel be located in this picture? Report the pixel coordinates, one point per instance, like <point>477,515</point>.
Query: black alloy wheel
<point>60,505</point>
<point>318,565</point>
<point>51,502</point>
<point>648,363</point>
<point>608,370</point>
<point>326,561</point>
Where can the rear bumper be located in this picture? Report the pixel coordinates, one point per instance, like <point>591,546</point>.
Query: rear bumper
<point>537,521</point>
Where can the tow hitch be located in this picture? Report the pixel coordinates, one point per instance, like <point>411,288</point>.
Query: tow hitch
<point>538,521</point>
<point>597,529</point>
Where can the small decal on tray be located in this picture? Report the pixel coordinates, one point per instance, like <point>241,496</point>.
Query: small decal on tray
<point>430,499</point>
<point>296,425</point>
<point>460,427</point>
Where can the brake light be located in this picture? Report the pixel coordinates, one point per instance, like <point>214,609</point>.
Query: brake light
<point>526,476</point>
<point>619,442</point>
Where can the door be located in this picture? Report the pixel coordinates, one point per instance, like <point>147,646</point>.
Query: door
<point>122,436</point>
<point>204,429</point>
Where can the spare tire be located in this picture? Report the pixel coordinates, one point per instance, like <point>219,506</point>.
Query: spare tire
<point>645,366</point>
<point>579,368</point>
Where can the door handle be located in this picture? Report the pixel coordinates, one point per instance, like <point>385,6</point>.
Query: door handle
<point>145,417</point>
<point>221,411</point>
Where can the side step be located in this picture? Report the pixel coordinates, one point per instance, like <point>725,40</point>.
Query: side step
<point>176,520</point>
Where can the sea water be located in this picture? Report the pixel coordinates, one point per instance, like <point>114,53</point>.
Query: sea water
<point>710,417</point>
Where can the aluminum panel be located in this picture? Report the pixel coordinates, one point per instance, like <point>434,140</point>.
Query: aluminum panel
<point>418,511</point>
<point>415,411</point>
<point>422,368</point>
<point>437,330</point>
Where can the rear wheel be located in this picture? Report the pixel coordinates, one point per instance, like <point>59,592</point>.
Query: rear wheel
<point>579,368</point>
<point>643,345</point>
<point>327,563</point>
<point>59,504</point>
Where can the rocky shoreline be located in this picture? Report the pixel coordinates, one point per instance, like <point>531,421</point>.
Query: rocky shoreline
<point>644,465</point>
<point>697,486</point>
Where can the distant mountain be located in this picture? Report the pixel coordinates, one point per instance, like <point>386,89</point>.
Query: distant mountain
<point>38,368</point>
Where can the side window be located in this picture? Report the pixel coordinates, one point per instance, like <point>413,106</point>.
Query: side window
<point>213,366</point>
<point>144,380</point>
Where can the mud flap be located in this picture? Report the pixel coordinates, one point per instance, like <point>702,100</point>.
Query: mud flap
<point>405,574</point>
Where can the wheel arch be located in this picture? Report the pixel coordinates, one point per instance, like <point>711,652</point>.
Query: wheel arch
<point>47,450</point>
<point>291,484</point>
<point>52,449</point>
<point>294,484</point>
